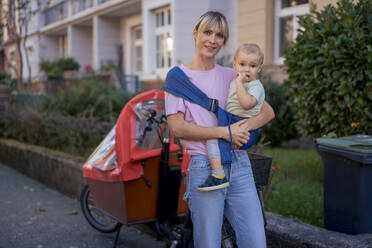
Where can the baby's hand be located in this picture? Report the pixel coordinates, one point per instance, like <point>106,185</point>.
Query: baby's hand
<point>242,77</point>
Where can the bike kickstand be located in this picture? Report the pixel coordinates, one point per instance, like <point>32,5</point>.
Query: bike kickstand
<point>117,234</point>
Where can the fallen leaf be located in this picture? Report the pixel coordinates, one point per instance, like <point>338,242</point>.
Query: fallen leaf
<point>73,212</point>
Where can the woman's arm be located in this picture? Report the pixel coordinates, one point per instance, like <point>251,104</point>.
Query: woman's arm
<point>266,114</point>
<point>184,130</point>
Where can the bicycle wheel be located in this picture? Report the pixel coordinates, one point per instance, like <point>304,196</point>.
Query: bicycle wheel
<point>96,217</point>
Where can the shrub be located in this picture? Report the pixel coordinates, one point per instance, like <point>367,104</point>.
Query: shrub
<point>108,66</point>
<point>282,127</point>
<point>7,79</point>
<point>55,68</point>
<point>26,100</point>
<point>50,68</point>
<point>88,98</point>
<point>68,64</point>
<point>330,70</point>
<point>75,135</point>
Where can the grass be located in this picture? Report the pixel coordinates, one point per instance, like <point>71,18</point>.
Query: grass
<point>296,187</point>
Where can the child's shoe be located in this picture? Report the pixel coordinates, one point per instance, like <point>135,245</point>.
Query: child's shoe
<point>212,183</point>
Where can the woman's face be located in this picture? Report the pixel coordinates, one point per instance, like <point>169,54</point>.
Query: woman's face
<point>209,41</point>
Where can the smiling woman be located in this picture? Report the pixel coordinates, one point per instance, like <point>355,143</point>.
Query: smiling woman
<point>193,125</point>
<point>210,33</point>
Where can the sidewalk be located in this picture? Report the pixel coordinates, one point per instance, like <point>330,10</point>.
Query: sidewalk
<point>35,216</point>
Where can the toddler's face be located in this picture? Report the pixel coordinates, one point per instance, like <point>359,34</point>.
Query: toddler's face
<point>247,65</point>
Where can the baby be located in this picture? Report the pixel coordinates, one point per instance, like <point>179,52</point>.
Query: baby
<point>246,96</point>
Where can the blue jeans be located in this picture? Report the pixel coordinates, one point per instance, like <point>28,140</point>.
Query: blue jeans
<point>239,203</point>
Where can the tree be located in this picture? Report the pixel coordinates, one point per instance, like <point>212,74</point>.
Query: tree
<point>17,15</point>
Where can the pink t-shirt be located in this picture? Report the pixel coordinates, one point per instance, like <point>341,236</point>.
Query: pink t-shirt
<point>215,84</point>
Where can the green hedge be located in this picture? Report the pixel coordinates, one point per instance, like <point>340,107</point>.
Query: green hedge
<point>75,135</point>
<point>330,70</point>
<point>6,79</point>
<point>74,121</point>
<point>88,98</point>
<point>55,68</point>
<point>282,127</point>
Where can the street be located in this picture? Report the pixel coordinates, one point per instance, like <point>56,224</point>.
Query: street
<point>35,216</point>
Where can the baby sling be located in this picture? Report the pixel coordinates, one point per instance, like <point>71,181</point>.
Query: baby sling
<point>178,84</point>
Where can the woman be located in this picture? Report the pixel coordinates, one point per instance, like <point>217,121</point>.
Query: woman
<point>194,124</point>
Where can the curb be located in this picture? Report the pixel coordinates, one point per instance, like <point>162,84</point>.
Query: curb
<point>55,169</point>
<point>290,233</point>
<point>64,173</point>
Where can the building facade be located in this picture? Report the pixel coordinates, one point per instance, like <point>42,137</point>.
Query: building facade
<point>272,24</point>
<point>147,37</point>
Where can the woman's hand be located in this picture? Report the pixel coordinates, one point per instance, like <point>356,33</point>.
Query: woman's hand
<point>240,136</point>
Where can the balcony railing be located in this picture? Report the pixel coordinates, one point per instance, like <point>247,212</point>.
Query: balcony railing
<point>56,13</point>
<point>80,5</point>
<point>102,1</point>
<point>59,11</point>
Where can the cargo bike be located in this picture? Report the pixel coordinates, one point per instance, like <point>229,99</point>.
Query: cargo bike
<point>136,175</point>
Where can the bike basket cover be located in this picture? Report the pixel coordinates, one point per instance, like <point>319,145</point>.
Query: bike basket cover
<point>178,84</point>
<point>119,156</point>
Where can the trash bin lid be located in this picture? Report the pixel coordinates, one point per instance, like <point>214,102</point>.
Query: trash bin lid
<point>355,143</point>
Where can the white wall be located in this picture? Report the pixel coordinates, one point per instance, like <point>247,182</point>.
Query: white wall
<point>80,44</point>
<point>32,47</point>
<point>230,10</point>
<point>106,35</point>
<point>126,39</point>
<point>48,47</point>
<point>186,13</point>
<point>37,20</point>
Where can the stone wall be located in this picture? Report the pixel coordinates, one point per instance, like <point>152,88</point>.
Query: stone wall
<point>52,168</point>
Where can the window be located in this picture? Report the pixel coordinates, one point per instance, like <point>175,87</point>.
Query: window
<point>286,23</point>
<point>137,45</point>
<point>163,38</point>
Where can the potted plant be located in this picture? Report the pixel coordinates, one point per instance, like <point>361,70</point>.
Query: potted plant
<point>51,69</point>
<point>68,65</point>
<point>89,69</point>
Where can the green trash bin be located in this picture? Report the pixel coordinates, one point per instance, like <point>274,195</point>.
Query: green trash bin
<point>347,180</point>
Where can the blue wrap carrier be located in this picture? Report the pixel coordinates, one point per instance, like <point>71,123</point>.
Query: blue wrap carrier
<point>178,84</point>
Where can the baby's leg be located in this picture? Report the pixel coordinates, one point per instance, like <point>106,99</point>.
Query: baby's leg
<point>217,179</point>
<point>214,154</point>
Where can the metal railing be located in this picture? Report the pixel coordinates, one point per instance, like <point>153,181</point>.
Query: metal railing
<point>129,83</point>
<point>60,11</point>
<point>56,13</point>
<point>80,5</point>
<point>102,1</point>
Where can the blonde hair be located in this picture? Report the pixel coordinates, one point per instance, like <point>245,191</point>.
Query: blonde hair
<point>250,48</point>
<point>210,19</point>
